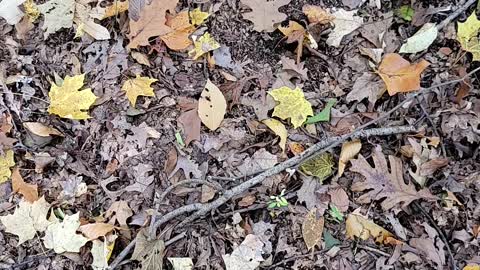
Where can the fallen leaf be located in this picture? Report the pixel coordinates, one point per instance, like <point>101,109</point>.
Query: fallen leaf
<point>6,162</point>
<point>6,143</point>
<point>67,102</point>
<point>399,75</point>
<point>296,148</point>
<point>178,39</point>
<point>27,220</point>
<point>141,58</point>
<point>140,86</point>
<point>31,10</point>
<point>114,9</point>
<point>312,229</point>
<point>471,266</point>
<point>191,124</point>
<point>339,198</point>
<point>10,11</point>
<point>58,14</point>
<point>204,44</point>
<point>421,40</point>
<point>289,65</point>
<point>142,177</point>
<point>95,230</point>
<point>464,87</point>
<point>119,211</point>
<point>320,166</point>
<point>279,129</point>
<point>405,12</point>
<point>358,226</point>
<point>62,236</point>
<point>295,33</point>
<point>29,191</point>
<point>353,3</point>
<point>367,86</point>
<point>292,104</point>
<point>181,263</point>
<point>149,253</point>
<point>324,115</point>
<point>212,106</point>
<point>349,150</point>
<point>41,130</point>
<point>383,184</point>
<point>316,14</point>
<point>86,23</point>
<point>467,35</point>
<point>430,246</point>
<point>247,200</point>
<point>99,253</point>
<point>151,22</point>
<point>345,22</point>
<point>197,16</point>
<point>265,14</point>
<point>189,168</point>
<point>247,256</point>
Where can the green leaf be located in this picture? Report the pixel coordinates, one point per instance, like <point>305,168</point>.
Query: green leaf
<point>336,213</point>
<point>272,205</point>
<point>319,166</point>
<point>283,201</point>
<point>406,13</point>
<point>324,115</point>
<point>329,240</point>
<point>179,138</point>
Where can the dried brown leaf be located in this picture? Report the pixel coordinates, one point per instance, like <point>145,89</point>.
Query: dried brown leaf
<point>358,226</point>
<point>312,229</point>
<point>29,191</point>
<point>95,230</point>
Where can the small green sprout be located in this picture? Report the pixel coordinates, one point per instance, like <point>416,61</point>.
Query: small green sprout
<point>336,213</point>
<point>406,13</point>
<point>278,201</point>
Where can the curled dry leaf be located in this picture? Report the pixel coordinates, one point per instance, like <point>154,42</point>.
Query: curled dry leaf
<point>349,151</point>
<point>29,191</point>
<point>247,256</point>
<point>279,129</point>
<point>345,22</point>
<point>95,230</point>
<point>41,130</point>
<point>399,75</point>
<point>212,106</point>
<point>312,229</point>
<point>358,226</point>
<point>265,14</point>
<point>316,14</point>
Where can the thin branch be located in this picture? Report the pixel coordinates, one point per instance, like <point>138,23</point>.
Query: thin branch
<point>455,14</point>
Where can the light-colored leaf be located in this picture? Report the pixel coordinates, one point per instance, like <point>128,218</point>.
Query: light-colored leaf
<point>140,86</point>
<point>197,16</point>
<point>316,14</point>
<point>204,44</point>
<point>62,236</point>
<point>399,75</point>
<point>68,102</point>
<point>58,14</point>
<point>178,39</point>
<point>10,11</point>
<point>421,40</point>
<point>212,106</point>
<point>95,230</point>
<point>181,263</point>
<point>367,86</point>
<point>6,162</point>
<point>247,256</point>
<point>31,10</point>
<point>141,58</point>
<point>41,130</point>
<point>99,253</point>
<point>312,229</point>
<point>358,226</point>
<point>345,22</point>
<point>265,14</point>
<point>29,191</point>
<point>467,35</point>
<point>149,253</point>
<point>119,211</point>
<point>349,150</point>
<point>27,220</point>
<point>279,129</point>
<point>292,104</point>
<point>320,166</point>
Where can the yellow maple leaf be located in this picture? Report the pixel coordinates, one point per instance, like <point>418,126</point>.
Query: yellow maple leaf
<point>68,102</point>
<point>467,36</point>
<point>292,104</point>
<point>140,86</point>
<point>203,45</point>
<point>31,10</point>
<point>197,16</point>
<point>6,162</point>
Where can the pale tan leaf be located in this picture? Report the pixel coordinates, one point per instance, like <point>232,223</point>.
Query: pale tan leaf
<point>349,151</point>
<point>358,226</point>
<point>212,106</point>
<point>265,14</point>
<point>279,129</point>
<point>62,236</point>
<point>41,130</point>
<point>312,229</point>
<point>119,211</point>
<point>95,230</point>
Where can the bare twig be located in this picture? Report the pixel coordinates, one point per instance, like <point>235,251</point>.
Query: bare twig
<point>455,14</point>
<point>374,250</point>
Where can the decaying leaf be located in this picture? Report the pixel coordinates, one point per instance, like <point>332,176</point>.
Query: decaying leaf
<point>27,220</point>
<point>212,106</point>
<point>345,22</point>
<point>358,226</point>
<point>421,40</point>
<point>383,184</point>
<point>320,166</point>
<point>189,120</point>
<point>292,104</point>
<point>467,35</point>
<point>99,253</point>
<point>29,191</point>
<point>6,162</point>
<point>349,150</point>
<point>279,129</point>
<point>149,253</point>
<point>316,14</point>
<point>68,102</point>
<point>114,9</point>
<point>312,229</point>
<point>151,22</point>
<point>265,14</point>
<point>95,230</point>
<point>399,75</point>
<point>41,130</point>
<point>119,211</point>
<point>204,44</point>
<point>247,256</point>
<point>58,14</point>
<point>181,263</point>
<point>86,24</point>
<point>62,236</point>
<point>197,16</point>
<point>140,86</point>
<point>178,39</point>
<point>10,11</point>
<point>430,246</point>
<point>367,86</point>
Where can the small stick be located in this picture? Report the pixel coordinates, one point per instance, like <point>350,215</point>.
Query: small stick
<point>455,14</point>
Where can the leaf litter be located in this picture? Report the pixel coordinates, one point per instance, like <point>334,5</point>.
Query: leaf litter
<point>229,91</point>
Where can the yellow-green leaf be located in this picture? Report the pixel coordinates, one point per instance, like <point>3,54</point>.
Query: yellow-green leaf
<point>6,162</point>
<point>292,104</point>
<point>197,16</point>
<point>320,166</point>
<point>140,86</point>
<point>467,36</point>
<point>279,129</point>
<point>312,229</point>
<point>203,45</point>
<point>68,102</point>
<point>62,236</point>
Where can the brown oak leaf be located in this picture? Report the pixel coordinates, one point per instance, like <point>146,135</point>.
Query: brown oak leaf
<point>383,184</point>
<point>265,14</point>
